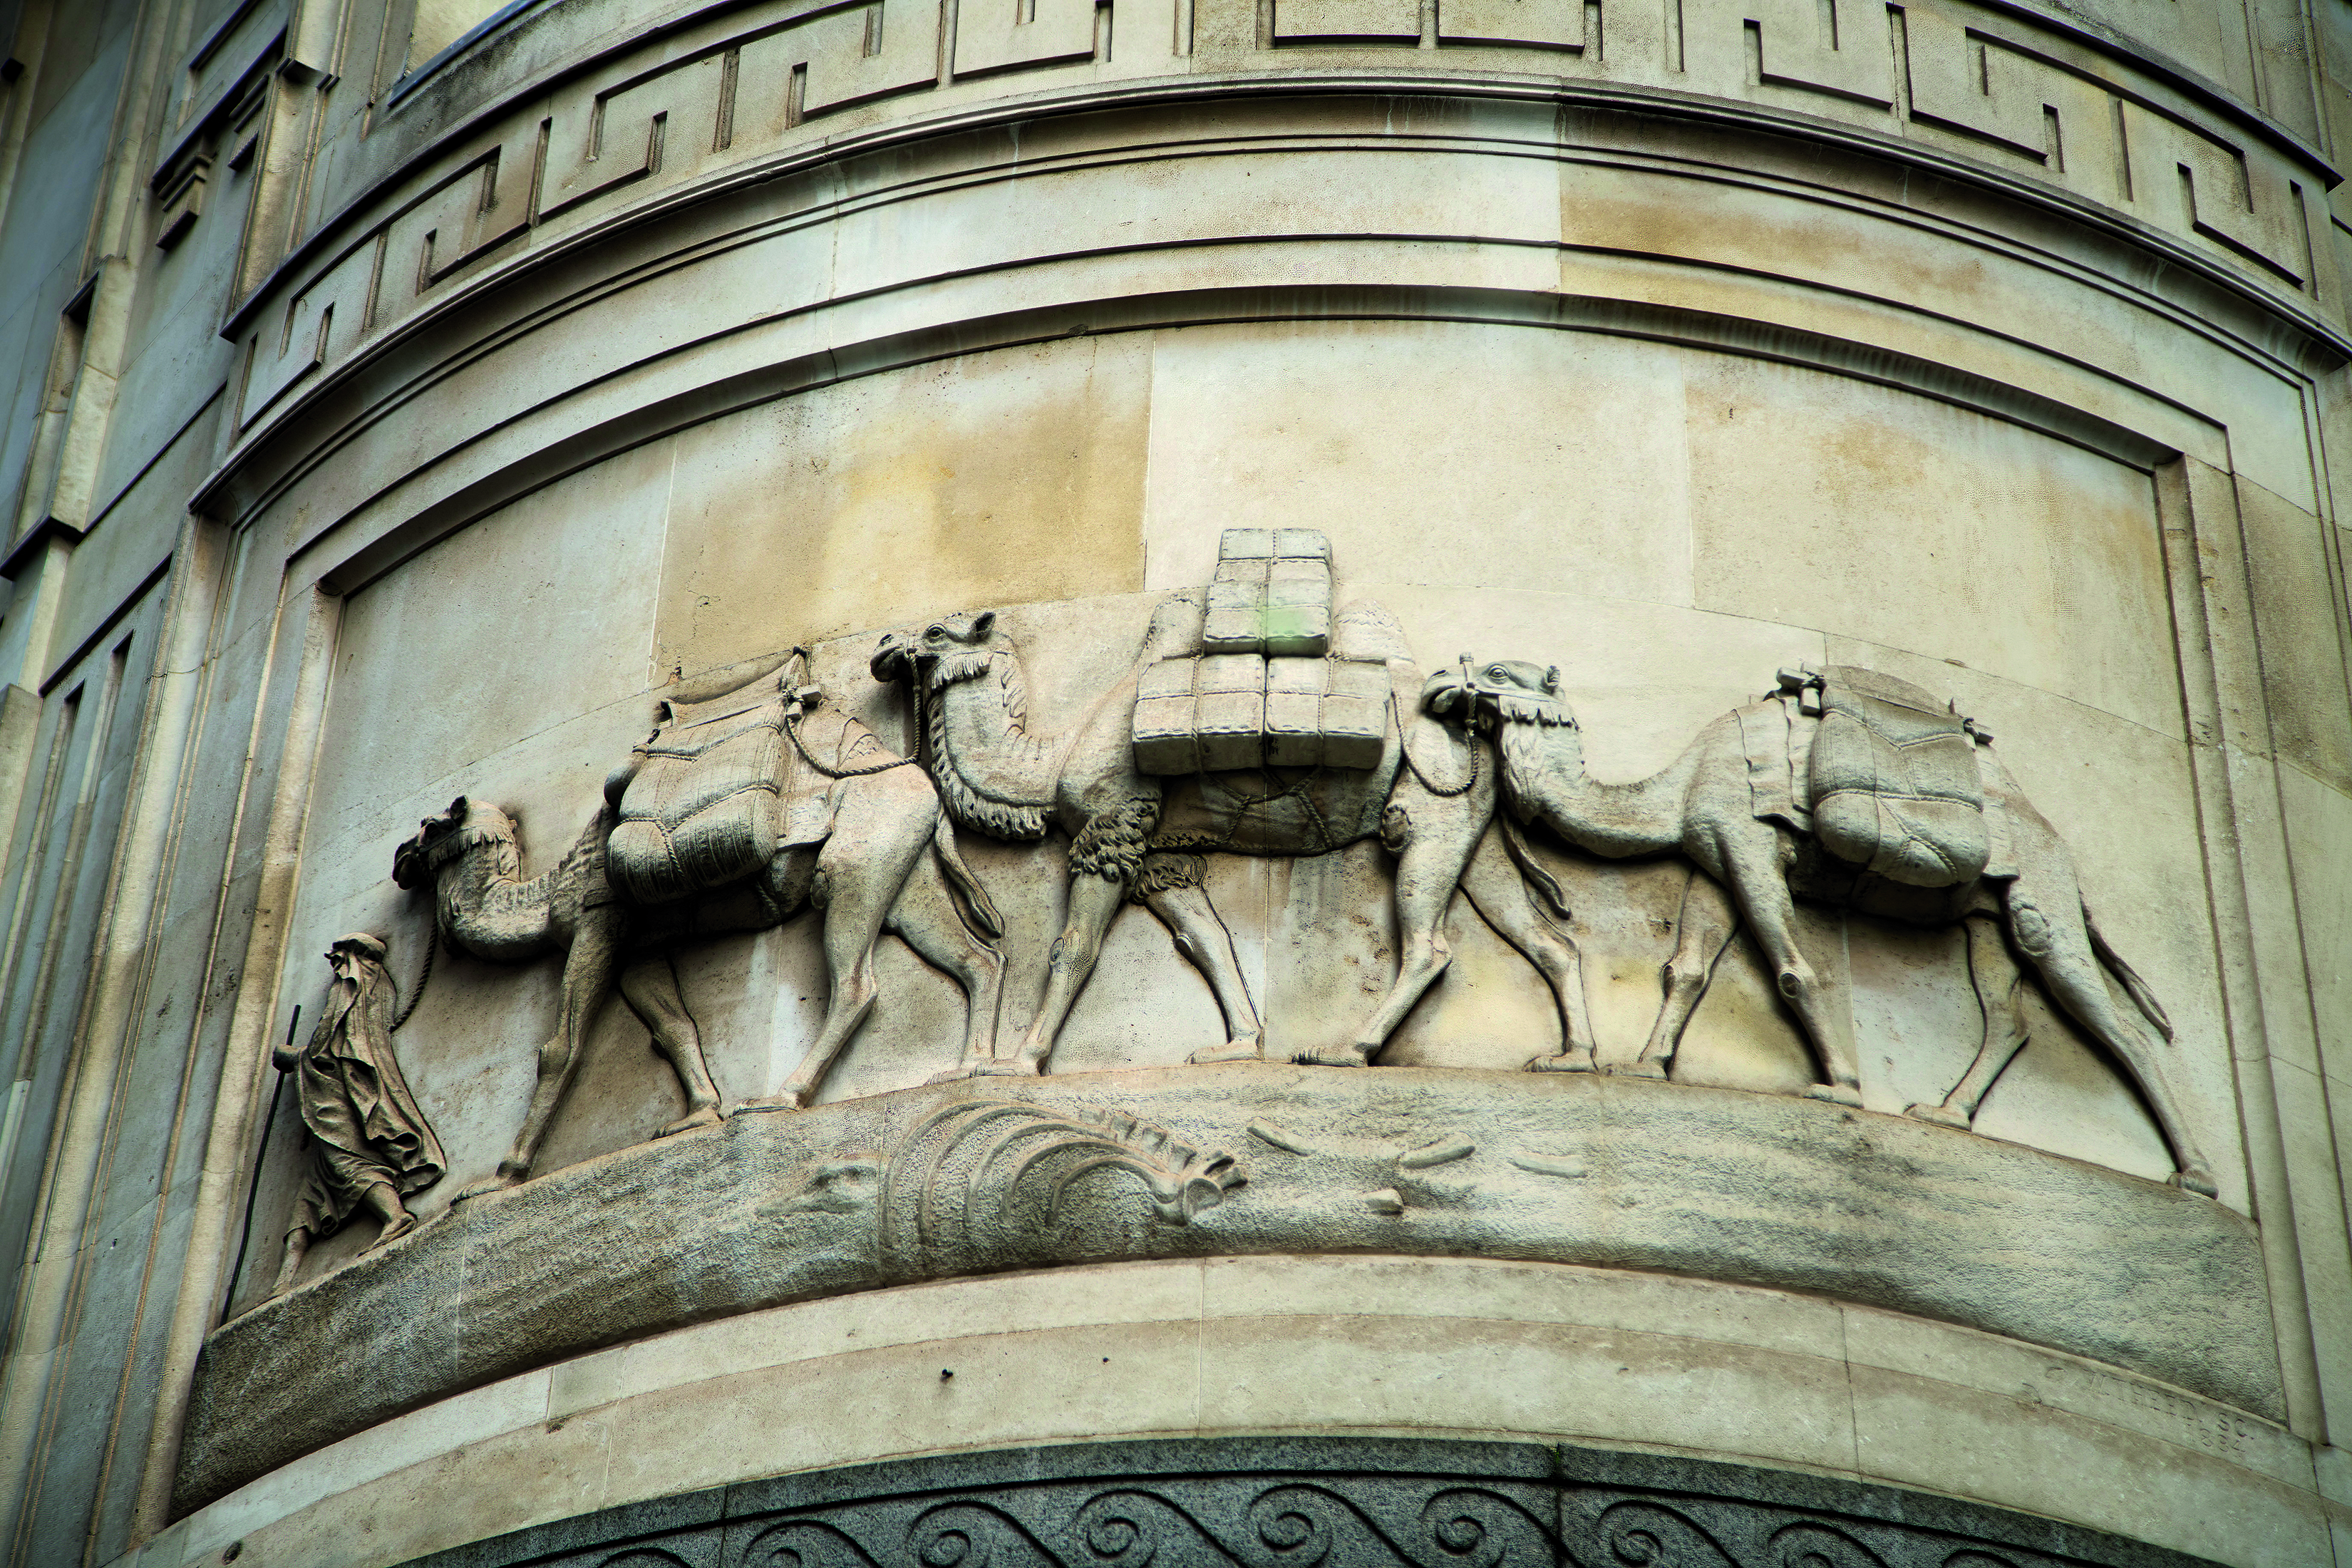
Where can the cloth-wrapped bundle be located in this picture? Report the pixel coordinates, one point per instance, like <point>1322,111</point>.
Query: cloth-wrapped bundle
<point>1272,594</point>
<point>703,808</point>
<point>1237,710</point>
<point>1894,782</point>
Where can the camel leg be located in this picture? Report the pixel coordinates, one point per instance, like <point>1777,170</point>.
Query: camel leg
<point>1500,893</point>
<point>1203,938</point>
<point>1433,839</point>
<point>650,988</point>
<point>2060,948</point>
<point>1997,979</point>
<point>1094,902</point>
<point>1752,863</point>
<point>1706,924</point>
<point>587,981</point>
<point>925,919</point>
<point>859,874</point>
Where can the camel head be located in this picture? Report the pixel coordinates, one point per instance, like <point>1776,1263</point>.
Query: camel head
<point>441,839</point>
<point>1501,690</point>
<point>952,648</point>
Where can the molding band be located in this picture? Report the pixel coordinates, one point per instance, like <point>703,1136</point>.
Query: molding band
<point>1344,1503</point>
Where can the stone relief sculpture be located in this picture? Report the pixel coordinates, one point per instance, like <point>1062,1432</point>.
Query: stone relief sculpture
<point>844,826</point>
<point>1429,796</point>
<point>1255,720</point>
<point>370,1148</point>
<point>1852,788</point>
<point>983,1182</point>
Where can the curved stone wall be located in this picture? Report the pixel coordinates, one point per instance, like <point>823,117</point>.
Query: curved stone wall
<point>1667,352</point>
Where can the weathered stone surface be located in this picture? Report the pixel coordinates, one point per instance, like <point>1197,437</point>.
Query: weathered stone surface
<point>1623,1172</point>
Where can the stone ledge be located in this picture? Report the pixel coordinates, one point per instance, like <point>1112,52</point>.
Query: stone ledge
<point>973,1177</point>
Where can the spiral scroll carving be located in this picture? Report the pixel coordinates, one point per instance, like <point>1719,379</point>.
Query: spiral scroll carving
<point>1815,1545</point>
<point>804,1543</point>
<point>1479,1529</point>
<point>1310,1527</point>
<point>971,1535</point>
<point>1235,1510</point>
<point>1649,1535</point>
<point>1137,1529</point>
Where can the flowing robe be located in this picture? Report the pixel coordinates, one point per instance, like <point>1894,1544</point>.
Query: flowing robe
<point>364,1125</point>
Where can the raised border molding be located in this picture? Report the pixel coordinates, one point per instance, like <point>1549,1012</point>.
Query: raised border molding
<point>1349,1503</point>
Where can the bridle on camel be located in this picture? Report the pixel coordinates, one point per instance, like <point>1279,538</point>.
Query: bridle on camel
<point>793,732</point>
<point>1469,736</point>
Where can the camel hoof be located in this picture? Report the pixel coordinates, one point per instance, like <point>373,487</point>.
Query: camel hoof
<point>1835,1094</point>
<point>787,1100</point>
<point>1335,1057</point>
<point>1011,1067</point>
<point>708,1116</point>
<point>487,1186</point>
<point>1942,1116</point>
<point>1567,1061</point>
<point>1637,1068</point>
<point>2197,1179</point>
<point>1249,1049</point>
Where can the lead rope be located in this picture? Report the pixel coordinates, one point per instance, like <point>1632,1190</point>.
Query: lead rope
<point>1469,736</point>
<point>792,729</point>
<point>431,941</point>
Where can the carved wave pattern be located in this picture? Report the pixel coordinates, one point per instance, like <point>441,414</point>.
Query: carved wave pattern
<point>1320,1519</point>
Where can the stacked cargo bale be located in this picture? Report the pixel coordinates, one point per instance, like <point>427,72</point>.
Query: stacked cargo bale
<point>1263,691</point>
<point>1272,594</point>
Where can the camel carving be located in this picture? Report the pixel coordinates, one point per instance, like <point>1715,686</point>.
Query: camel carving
<point>2024,894</point>
<point>873,852</point>
<point>1431,800</point>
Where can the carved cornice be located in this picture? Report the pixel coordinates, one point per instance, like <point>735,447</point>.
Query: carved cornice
<point>445,224</point>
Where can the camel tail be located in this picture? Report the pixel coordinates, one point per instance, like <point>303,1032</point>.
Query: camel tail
<point>2150,1008</point>
<point>975,897</point>
<point>1545,886</point>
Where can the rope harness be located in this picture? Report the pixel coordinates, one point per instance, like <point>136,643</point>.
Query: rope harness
<point>1470,738</point>
<point>792,732</point>
<point>431,941</point>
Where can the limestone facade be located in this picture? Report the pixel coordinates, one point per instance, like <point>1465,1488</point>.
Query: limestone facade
<point>676,540</point>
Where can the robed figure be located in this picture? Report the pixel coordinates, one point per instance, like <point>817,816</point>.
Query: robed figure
<point>369,1145</point>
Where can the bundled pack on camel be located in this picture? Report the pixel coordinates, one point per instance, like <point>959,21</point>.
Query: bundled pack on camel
<point>1852,788</point>
<point>1428,794</point>
<point>748,803</point>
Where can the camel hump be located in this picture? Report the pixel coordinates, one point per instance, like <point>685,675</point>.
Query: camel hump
<point>1894,781</point>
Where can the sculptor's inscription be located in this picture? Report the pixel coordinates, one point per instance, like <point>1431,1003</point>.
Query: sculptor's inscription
<point>2181,1418</point>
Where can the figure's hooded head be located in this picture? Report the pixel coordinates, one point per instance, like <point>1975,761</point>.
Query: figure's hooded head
<point>360,944</point>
